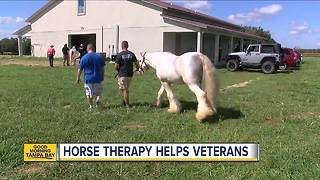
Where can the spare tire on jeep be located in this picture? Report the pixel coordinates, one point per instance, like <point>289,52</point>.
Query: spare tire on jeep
<point>268,67</point>
<point>232,65</point>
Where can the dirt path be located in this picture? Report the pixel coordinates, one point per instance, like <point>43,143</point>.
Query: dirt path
<point>239,85</point>
<point>41,63</point>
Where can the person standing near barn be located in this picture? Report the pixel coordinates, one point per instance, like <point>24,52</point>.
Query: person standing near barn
<point>93,66</point>
<point>82,51</point>
<point>50,54</point>
<point>74,55</point>
<point>124,65</point>
<point>65,52</point>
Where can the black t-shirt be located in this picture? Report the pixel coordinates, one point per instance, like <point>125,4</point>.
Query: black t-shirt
<point>65,50</point>
<point>82,51</point>
<point>125,59</point>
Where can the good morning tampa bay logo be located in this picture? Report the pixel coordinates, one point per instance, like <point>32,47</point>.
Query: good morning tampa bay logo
<point>40,152</point>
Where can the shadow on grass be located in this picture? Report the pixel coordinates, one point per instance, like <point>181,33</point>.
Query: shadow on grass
<point>227,114</point>
<point>221,115</point>
<point>220,67</point>
<point>137,104</point>
<point>294,68</point>
<point>288,71</point>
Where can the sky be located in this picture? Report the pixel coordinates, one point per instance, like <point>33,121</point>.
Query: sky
<point>292,23</point>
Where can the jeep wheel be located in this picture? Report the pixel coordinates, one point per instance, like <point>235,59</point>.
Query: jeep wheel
<point>268,67</point>
<point>232,65</point>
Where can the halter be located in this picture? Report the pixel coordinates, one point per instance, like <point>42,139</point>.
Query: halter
<point>143,61</point>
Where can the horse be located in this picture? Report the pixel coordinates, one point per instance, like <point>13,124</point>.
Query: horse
<point>73,55</point>
<point>194,69</point>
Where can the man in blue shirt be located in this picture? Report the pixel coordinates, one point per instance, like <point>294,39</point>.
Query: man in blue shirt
<point>93,66</point>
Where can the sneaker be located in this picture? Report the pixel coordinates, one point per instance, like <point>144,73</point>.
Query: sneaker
<point>98,104</point>
<point>90,109</point>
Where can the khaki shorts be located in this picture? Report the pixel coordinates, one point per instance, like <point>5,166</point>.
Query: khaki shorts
<point>93,89</point>
<point>124,82</point>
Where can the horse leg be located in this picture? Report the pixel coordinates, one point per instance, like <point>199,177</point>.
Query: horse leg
<point>204,110</point>
<point>174,106</point>
<point>158,103</point>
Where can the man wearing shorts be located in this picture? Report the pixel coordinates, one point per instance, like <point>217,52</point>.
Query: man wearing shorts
<point>124,65</point>
<point>93,66</point>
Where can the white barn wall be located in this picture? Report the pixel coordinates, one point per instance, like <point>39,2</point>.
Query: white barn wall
<point>42,41</point>
<point>142,26</point>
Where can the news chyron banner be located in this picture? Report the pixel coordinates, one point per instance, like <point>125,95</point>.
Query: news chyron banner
<point>141,152</point>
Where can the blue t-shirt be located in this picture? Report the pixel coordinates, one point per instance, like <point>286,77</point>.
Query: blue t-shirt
<point>92,64</point>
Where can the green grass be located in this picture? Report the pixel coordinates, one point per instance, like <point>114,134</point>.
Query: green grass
<point>279,111</point>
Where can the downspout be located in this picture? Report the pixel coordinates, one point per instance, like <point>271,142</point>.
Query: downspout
<point>101,38</point>
<point>117,38</point>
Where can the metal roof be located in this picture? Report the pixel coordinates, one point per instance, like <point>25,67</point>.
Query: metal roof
<point>23,30</point>
<point>211,27</point>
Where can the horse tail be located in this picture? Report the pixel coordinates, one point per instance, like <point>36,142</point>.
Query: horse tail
<point>209,81</point>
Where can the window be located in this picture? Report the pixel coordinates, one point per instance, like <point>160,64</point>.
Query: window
<point>268,49</point>
<point>253,49</point>
<point>81,7</point>
<point>285,52</point>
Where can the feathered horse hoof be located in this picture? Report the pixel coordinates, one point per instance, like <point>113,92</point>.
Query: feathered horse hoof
<point>173,111</point>
<point>204,115</point>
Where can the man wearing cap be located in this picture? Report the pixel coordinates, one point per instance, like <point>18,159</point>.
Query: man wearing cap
<point>50,54</point>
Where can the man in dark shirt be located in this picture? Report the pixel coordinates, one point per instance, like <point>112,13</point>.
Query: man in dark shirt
<point>82,51</point>
<point>65,52</point>
<point>124,65</point>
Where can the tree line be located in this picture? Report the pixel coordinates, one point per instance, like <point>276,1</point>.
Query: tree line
<point>310,50</point>
<point>259,31</point>
<point>9,46</point>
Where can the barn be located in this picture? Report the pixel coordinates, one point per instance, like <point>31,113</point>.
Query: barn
<point>147,25</point>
